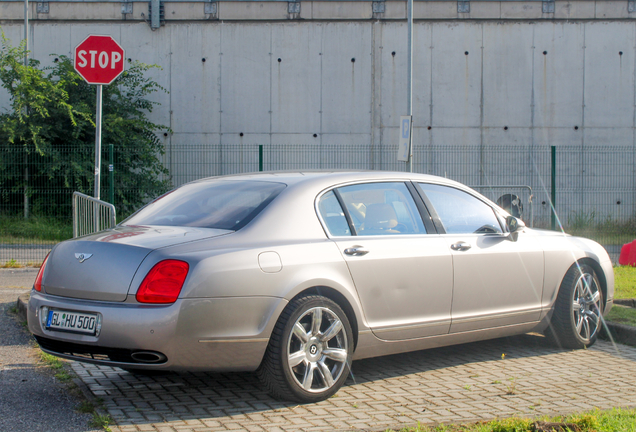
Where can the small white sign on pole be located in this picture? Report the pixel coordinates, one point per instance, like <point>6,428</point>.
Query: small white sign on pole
<point>404,144</point>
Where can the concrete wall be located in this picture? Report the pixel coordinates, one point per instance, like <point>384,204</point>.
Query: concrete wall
<point>316,83</point>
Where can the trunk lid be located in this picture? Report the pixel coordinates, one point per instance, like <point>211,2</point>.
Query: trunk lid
<point>101,266</point>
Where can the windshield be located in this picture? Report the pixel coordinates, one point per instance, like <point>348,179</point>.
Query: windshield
<point>217,204</point>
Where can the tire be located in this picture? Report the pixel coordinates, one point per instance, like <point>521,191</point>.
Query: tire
<point>309,353</point>
<point>578,310</point>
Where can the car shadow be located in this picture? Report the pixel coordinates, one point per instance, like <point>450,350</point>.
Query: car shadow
<point>134,399</point>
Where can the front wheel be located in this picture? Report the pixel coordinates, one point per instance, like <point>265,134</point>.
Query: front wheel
<point>309,353</point>
<point>578,309</point>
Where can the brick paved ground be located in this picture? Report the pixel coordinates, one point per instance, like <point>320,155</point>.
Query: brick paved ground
<point>455,384</point>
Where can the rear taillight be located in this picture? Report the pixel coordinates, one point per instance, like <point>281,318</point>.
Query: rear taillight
<point>163,283</point>
<point>38,280</point>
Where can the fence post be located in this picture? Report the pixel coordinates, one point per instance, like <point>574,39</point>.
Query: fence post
<point>260,157</point>
<point>553,191</point>
<point>111,175</point>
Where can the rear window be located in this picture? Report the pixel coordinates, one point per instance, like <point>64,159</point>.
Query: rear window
<point>219,204</point>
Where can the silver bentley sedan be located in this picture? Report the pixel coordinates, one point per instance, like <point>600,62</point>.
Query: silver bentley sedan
<point>295,274</point>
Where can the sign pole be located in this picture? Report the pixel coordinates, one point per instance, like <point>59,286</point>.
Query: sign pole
<point>98,137</point>
<point>98,148</point>
<point>409,80</point>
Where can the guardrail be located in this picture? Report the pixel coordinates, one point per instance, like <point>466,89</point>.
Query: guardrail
<point>91,215</point>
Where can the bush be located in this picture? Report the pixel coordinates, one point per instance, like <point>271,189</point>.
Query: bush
<point>50,131</point>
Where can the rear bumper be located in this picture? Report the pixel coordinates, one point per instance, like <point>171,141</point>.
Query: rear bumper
<point>214,334</point>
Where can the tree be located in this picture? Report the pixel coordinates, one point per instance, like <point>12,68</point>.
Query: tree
<point>50,125</point>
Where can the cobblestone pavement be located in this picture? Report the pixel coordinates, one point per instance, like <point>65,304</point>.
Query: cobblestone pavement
<point>455,384</point>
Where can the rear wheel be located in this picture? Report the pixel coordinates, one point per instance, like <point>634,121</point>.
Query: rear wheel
<point>309,352</point>
<point>578,309</point>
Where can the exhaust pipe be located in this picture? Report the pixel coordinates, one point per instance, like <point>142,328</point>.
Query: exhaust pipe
<point>148,357</point>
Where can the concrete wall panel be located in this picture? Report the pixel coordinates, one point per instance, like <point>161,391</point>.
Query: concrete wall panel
<point>393,74</point>
<point>199,111</point>
<point>51,39</point>
<point>295,79</point>
<point>346,78</point>
<point>558,74</point>
<point>609,75</point>
<point>153,48</point>
<point>507,71</point>
<point>245,78</point>
<point>422,66</point>
<point>456,63</point>
<point>15,34</point>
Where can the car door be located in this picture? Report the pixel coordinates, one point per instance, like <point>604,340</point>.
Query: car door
<point>402,273</point>
<point>497,281</point>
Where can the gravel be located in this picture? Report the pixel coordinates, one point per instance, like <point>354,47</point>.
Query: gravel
<point>31,399</point>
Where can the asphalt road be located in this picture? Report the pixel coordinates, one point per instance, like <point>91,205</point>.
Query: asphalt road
<point>31,399</point>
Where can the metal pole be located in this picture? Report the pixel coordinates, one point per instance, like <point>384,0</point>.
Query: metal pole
<point>98,148</point>
<point>26,63</point>
<point>553,191</point>
<point>111,174</point>
<point>409,79</point>
<point>260,157</point>
<point>26,32</point>
<point>98,138</point>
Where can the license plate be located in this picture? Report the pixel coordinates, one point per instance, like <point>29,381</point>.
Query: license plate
<point>71,321</point>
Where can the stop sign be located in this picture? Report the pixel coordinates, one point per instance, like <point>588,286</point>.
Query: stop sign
<point>99,59</point>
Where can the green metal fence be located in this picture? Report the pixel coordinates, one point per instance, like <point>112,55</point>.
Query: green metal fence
<point>594,187</point>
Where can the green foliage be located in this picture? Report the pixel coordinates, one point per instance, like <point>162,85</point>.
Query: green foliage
<point>622,315</point>
<point>605,230</point>
<point>624,282</point>
<point>36,229</point>
<point>101,421</point>
<point>50,130</point>
<point>614,420</point>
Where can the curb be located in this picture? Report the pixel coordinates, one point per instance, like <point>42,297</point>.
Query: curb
<point>21,304</point>
<point>626,302</point>
<point>620,333</point>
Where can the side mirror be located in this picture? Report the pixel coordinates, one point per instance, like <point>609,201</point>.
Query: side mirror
<point>514,226</point>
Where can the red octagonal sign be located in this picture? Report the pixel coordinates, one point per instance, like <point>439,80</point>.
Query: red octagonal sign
<point>99,59</point>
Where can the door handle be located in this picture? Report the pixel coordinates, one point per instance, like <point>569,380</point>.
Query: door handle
<point>356,251</point>
<point>460,246</point>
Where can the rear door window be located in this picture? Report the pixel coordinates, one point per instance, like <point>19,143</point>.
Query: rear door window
<point>332,215</point>
<point>382,209</point>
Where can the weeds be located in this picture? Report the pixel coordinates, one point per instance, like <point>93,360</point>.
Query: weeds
<point>512,387</point>
<point>101,421</point>
<point>11,264</point>
<point>59,368</point>
<point>86,407</point>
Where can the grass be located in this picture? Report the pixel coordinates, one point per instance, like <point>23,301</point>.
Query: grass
<point>622,315</point>
<point>614,420</point>
<point>40,230</point>
<point>59,368</point>
<point>625,282</point>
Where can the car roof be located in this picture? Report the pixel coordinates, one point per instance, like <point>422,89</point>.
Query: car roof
<point>326,178</point>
